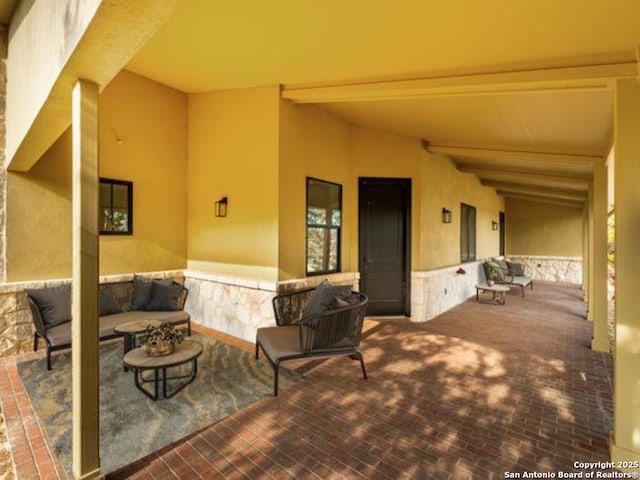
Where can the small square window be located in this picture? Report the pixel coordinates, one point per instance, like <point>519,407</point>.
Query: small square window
<point>116,207</point>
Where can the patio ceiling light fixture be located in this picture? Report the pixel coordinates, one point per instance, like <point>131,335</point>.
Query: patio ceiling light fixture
<point>446,216</point>
<point>494,225</point>
<point>221,207</point>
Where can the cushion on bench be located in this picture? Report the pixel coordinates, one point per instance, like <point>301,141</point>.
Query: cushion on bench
<point>516,269</point>
<point>521,280</point>
<point>165,297</point>
<point>108,323</point>
<point>54,304</point>
<point>108,304</point>
<point>61,334</point>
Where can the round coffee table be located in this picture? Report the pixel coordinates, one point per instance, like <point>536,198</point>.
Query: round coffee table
<point>497,290</point>
<point>138,360</point>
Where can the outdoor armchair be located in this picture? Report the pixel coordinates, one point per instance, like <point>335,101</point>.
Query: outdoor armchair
<point>333,332</point>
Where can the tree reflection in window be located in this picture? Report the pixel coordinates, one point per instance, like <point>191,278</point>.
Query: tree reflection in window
<point>116,207</point>
<point>324,219</point>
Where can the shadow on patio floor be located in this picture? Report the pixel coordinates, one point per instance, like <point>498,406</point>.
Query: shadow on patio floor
<point>477,392</point>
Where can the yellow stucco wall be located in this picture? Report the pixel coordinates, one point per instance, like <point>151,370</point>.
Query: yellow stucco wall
<point>381,154</point>
<point>142,139</point>
<point>233,152</point>
<point>444,186</point>
<point>318,144</point>
<point>256,150</point>
<point>39,217</point>
<point>313,143</point>
<point>543,229</point>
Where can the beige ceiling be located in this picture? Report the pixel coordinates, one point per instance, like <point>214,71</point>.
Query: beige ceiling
<point>210,46</point>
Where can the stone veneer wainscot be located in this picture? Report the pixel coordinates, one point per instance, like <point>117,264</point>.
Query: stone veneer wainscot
<point>238,305</point>
<point>435,291</point>
<point>551,269</point>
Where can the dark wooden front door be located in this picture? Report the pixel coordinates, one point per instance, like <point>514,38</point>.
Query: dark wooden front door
<point>385,244</point>
<point>502,233</point>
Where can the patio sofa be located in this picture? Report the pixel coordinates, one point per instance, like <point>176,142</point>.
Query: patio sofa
<point>504,272</point>
<point>141,299</point>
<point>314,323</point>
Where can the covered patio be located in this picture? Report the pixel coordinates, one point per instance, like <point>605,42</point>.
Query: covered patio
<point>245,153</point>
<point>479,391</point>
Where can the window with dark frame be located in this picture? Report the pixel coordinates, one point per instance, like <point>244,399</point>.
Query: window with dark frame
<point>324,221</point>
<point>116,207</point>
<point>467,233</point>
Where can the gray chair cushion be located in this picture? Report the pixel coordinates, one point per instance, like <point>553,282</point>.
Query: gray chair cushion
<point>279,342</point>
<point>495,272</point>
<point>516,269</point>
<point>501,263</point>
<point>108,304</point>
<point>344,301</point>
<point>164,297</point>
<point>54,304</point>
<point>60,334</point>
<point>324,298</point>
<point>521,280</point>
<point>141,292</point>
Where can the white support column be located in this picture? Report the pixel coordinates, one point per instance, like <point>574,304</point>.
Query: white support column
<point>585,253</point>
<point>85,373</point>
<point>590,244</point>
<point>600,341</point>
<point>625,439</point>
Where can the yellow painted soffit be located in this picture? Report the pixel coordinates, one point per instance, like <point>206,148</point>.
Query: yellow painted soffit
<point>116,32</point>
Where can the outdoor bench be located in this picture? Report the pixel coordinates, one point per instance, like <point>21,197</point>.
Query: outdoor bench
<point>120,303</point>
<point>504,272</point>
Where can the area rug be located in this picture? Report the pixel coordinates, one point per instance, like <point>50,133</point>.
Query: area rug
<point>132,425</point>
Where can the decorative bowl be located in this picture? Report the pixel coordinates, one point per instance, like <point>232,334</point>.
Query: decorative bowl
<point>160,350</point>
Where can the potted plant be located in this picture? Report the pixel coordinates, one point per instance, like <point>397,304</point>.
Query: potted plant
<point>161,340</point>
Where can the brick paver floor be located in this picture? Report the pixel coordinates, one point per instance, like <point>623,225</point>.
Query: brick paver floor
<point>479,391</point>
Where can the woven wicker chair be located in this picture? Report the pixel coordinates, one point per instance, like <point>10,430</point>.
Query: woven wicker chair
<point>331,333</point>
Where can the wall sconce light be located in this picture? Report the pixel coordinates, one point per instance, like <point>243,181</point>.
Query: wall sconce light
<point>494,225</point>
<point>446,216</point>
<point>221,207</point>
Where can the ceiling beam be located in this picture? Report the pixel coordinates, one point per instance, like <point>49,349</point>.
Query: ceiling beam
<point>551,201</point>
<point>583,78</point>
<point>536,158</point>
<point>577,182</point>
<point>536,192</point>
